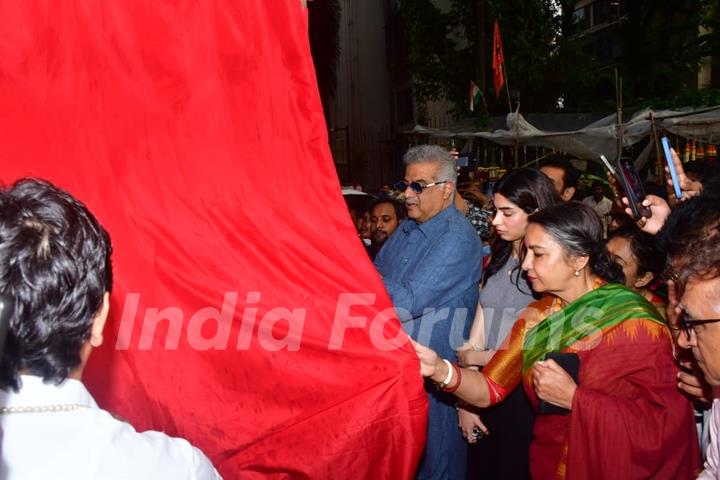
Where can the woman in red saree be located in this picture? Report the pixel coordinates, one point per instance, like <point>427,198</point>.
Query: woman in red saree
<point>626,419</point>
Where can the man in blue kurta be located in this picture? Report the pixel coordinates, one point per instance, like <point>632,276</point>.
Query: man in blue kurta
<point>431,267</point>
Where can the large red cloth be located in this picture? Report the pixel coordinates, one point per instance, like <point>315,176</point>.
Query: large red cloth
<point>194,131</point>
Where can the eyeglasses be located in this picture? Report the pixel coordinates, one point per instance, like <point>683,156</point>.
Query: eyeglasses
<point>688,325</point>
<point>416,187</point>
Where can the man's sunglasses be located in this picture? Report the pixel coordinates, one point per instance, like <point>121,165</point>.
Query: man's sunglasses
<point>686,325</point>
<point>416,187</point>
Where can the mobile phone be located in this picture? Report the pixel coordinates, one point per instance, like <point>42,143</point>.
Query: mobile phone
<point>610,168</point>
<point>671,167</point>
<point>632,185</point>
<point>570,362</point>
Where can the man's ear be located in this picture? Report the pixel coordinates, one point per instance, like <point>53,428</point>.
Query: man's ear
<point>644,280</point>
<point>96,335</point>
<point>568,194</point>
<point>448,190</point>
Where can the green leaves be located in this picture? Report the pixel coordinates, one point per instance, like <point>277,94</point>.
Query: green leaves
<point>658,48</point>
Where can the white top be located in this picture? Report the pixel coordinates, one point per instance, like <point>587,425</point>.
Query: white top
<point>712,460</point>
<point>87,442</point>
<point>602,208</point>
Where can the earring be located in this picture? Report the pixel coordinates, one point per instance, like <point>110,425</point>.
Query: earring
<point>577,273</point>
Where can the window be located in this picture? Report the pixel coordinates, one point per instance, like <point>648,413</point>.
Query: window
<point>581,19</point>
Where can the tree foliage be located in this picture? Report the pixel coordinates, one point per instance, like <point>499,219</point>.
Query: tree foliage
<point>664,48</point>
<point>431,52</point>
<point>549,64</point>
<point>448,49</point>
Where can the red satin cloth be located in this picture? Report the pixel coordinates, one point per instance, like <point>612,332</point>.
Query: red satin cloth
<point>194,131</point>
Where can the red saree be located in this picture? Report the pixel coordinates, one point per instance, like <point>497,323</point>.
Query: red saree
<point>628,420</point>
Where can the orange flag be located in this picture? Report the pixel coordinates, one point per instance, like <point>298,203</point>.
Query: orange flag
<point>498,60</point>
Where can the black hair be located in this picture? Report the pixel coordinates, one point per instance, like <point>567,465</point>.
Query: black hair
<point>579,231</point>
<point>571,175</point>
<point>55,265</point>
<point>400,210</point>
<point>530,190</point>
<point>644,248</point>
<point>699,169</point>
<point>691,237</point>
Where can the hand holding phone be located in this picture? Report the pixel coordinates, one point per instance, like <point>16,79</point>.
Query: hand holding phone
<point>688,188</point>
<point>633,188</point>
<point>671,167</point>
<point>660,212</point>
<point>609,167</point>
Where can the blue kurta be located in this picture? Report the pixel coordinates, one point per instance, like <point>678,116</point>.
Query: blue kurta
<point>431,271</point>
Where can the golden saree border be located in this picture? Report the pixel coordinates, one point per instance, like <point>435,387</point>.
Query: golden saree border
<point>505,367</point>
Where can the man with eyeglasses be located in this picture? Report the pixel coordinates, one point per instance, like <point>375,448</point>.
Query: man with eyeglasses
<point>693,230</point>
<point>431,267</point>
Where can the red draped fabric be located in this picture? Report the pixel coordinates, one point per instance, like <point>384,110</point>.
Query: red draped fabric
<point>194,131</point>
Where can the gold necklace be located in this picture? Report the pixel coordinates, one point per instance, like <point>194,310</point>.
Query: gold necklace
<point>64,407</point>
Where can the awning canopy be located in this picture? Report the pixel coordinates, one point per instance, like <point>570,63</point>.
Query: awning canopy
<point>600,137</point>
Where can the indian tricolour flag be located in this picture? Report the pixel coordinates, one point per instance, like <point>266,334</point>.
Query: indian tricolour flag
<point>475,95</point>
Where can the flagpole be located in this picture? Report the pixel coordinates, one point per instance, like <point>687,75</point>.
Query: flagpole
<point>619,125</point>
<point>507,87</point>
<point>499,63</point>
<point>510,110</point>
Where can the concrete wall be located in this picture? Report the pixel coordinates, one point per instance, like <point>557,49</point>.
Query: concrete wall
<point>360,116</point>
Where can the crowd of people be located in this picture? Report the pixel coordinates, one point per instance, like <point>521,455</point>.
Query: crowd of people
<point>557,340</point>
<point>588,339</point>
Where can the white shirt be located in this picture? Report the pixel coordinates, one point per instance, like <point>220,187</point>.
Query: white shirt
<point>86,443</point>
<point>602,208</point>
<point>712,459</point>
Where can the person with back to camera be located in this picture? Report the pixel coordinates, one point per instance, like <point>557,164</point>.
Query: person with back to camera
<point>624,416</point>
<point>505,429</point>
<point>55,265</point>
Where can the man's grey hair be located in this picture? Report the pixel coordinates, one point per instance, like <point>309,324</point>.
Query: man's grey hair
<point>436,154</point>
